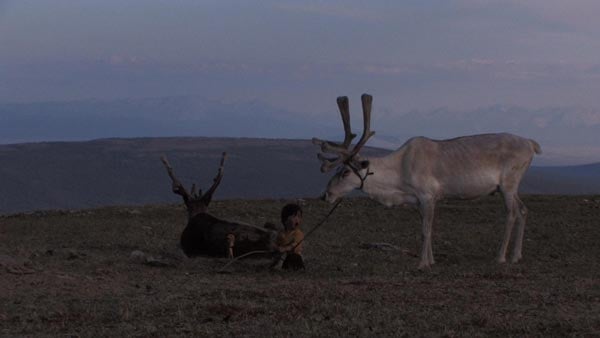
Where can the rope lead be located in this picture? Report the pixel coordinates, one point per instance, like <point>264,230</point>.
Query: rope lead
<point>295,246</point>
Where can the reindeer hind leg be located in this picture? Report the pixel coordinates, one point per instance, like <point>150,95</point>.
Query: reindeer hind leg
<point>427,209</point>
<point>521,219</point>
<point>511,215</point>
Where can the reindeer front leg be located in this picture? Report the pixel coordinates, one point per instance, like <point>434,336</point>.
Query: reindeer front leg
<point>521,218</point>
<point>230,245</point>
<point>427,210</point>
<point>511,216</point>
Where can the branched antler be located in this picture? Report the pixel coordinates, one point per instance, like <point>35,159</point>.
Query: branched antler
<point>342,149</point>
<point>207,197</point>
<point>194,201</point>
<point>367,104</point>
<point>333,147</point>
<point>176,185</point>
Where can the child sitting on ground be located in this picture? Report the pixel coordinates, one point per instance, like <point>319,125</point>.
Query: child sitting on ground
<point>288,245</point>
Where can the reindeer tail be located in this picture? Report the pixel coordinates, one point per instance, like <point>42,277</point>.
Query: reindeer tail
<point>536,146</point>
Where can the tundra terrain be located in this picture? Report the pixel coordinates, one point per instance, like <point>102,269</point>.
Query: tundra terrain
<point>117,271</point>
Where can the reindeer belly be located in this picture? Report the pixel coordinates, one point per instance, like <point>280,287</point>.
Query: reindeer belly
<point>471,186</point>
<point>247,241</point>
<point>395,198</point>
<point>206,235</point>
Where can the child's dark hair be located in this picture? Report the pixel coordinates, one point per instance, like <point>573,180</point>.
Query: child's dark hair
<point>290,210</point>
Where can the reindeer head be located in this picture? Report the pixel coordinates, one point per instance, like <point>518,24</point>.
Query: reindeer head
<point>195,202</point>
<point>352,170</point>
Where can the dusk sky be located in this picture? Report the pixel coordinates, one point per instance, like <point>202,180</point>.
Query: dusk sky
<point>300,55</point>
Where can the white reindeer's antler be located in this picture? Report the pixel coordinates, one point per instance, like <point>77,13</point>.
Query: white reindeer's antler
<point>342,149</point>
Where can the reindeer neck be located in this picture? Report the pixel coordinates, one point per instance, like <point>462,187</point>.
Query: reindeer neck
<point>195,210</point>
<point>385,178</point>
<point>194,214</point>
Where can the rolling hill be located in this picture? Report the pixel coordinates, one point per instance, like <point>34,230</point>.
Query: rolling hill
<point>568,135</point>
<point>73,175</point>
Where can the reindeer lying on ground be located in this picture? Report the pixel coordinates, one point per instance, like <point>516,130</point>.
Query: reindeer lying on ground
<point>423,171</point>
<point>211,236</point>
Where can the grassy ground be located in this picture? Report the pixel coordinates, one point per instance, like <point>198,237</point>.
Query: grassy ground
<point>70,273</point>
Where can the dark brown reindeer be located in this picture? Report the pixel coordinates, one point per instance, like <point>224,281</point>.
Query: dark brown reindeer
<point>210,236</point>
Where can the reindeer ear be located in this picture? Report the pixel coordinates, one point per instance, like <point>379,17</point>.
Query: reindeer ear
<point>364,164</point>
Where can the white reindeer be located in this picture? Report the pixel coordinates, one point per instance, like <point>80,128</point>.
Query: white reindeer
<point>423,171</point>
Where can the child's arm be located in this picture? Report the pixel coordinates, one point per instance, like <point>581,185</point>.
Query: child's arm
<point>294,245</point>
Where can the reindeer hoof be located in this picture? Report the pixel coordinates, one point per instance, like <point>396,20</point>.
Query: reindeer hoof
<point>424,266</point>
<point>501,260</point>
<point>515,259</point>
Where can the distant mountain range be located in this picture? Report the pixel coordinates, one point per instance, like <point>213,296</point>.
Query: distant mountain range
<point>568,135</point>
<point>72,175</point>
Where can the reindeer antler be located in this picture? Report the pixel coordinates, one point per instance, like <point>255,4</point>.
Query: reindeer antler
<point>332,147</point>
<point>367,104</point>
<point>342,149</point>
<point>177,186</point>
<point>194,196</point>
<point>216,181</point>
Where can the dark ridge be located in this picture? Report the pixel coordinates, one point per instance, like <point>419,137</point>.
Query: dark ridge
<point>119,171</point>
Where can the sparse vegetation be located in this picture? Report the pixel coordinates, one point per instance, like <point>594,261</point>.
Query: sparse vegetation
<point>80,278</point>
